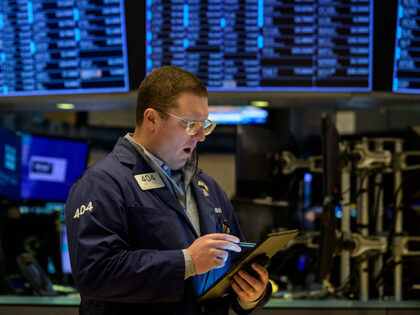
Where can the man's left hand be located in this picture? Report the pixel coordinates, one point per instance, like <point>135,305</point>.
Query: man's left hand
<point>247,287</point>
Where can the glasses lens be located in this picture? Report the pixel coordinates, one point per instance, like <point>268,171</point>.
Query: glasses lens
<point>193,127</point>
<point>208,128</point>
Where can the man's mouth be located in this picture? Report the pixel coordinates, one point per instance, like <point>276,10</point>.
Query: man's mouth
<point>188,151</point>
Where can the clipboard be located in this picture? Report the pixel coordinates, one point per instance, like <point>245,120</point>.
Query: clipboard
<point>269,246</point>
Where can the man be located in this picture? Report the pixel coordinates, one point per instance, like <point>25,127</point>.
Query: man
<point>148,232</point>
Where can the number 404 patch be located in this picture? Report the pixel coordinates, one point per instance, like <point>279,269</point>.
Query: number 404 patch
<point>82,210</point>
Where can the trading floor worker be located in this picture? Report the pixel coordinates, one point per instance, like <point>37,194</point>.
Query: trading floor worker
<point>147,230</point>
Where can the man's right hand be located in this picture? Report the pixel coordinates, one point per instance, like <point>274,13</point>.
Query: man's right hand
<point>210,251</point>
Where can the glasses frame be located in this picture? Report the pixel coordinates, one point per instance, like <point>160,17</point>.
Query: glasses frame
<point>189,124</point>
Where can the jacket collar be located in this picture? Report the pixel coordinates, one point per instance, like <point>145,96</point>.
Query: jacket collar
<point>127,154</point>
<point>124,152</point>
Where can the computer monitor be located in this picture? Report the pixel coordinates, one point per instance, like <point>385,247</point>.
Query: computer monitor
<point>407,44</point>
<point>64,250</point>
<point>50,166</point>
<point>257,172</point>
<point>265,45</point>
<point>331,181</point>
<point>10,155</point>
<point>238,115</point>
<point>62,47</point>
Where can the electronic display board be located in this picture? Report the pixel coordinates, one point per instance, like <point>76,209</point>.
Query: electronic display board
<point>10,155</point>
<point>237,115</point>
<point>62,47</point>
<point>50,167</point>
<point>406,75</point>
<point>264,45</point>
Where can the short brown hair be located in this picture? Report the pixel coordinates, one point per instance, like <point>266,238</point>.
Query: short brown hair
<point>163,86</point>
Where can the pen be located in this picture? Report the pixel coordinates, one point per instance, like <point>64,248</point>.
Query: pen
<point>245,244</point>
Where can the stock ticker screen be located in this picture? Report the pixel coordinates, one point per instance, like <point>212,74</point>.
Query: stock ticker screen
<point>50,167</point>
<point>62,47</point>
<point>264,45</point>
<point>407,48</point>
<point>10,155</point>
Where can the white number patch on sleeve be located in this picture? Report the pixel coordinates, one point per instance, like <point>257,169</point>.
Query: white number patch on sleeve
<point>82,210</point>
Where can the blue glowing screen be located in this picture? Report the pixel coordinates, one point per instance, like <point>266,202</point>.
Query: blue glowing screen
<point>50,167</point>
<point>9,164</point>
<point>62,47</point>
<point>260,45</point>
<point>406,75</point>
<point>237,115</point>
<point>64,249</point>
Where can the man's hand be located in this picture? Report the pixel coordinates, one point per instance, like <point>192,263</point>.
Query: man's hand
<point>210,251</point>
<point>247,287</point>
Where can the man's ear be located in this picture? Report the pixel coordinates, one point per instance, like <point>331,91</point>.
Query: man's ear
<point>150,118</point>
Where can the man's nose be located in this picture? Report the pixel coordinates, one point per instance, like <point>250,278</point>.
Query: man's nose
<point>200,136</point>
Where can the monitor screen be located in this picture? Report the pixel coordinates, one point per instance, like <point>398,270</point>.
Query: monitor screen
<point>331,179</point>
<point>237,115</point>
<point>62,47</point>
<point>64,250</point>
<point>406,75</point>
<point>257,170</point>
<point>10,151</point>
<point>261,45</point>
<point>50,167</point>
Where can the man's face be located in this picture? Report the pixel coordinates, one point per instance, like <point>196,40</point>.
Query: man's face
<point>175,145</point>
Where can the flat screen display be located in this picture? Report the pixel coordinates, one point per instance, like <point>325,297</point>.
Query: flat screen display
<point>406,76</point>
<point>10,155</point>
<point>260,45</point>
<point>62,47</point>
<point>238,115</point>
<point>50,167</point>
<point>64,250</point>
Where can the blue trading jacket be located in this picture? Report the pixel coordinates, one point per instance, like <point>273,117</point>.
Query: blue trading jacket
<point>125,243</point>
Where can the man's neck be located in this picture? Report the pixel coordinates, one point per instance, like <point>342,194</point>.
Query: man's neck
<point>139,138</point>
<point>144,140</point>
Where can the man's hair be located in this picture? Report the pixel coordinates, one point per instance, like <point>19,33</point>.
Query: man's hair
<point>163,86</point>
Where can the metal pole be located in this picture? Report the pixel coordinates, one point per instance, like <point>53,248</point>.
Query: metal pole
<point>378,193</point>
<point>345,223</point>
<point>364,231</point>
<point>398,191</point>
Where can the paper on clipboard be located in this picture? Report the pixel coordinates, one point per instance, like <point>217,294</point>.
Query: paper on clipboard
<point>269,246</point>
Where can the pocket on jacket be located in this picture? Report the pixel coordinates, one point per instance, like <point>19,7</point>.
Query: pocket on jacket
<point>156,228</point>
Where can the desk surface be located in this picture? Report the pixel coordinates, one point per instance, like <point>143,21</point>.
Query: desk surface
<point>70,300</point>
<point>281,303</point>
<point>74,300</point>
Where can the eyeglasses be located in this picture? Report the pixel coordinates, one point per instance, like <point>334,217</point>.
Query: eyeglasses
<point>194,126</point>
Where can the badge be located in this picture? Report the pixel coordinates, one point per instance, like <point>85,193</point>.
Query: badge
<point>204,188</point>
<point>202,185</point>
<point>149,181</point>
<point>218,210</point>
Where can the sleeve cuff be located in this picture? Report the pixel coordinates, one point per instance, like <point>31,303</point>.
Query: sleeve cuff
<point>189,266</point>
<point>249,305</point>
